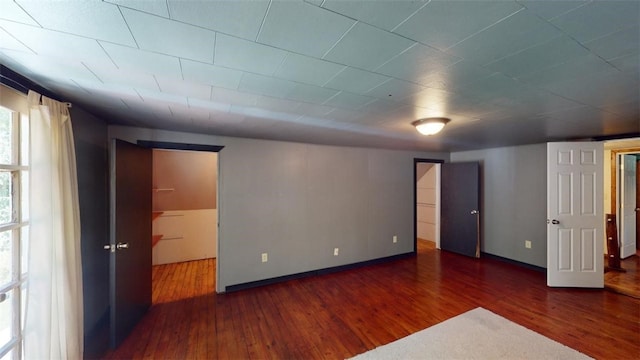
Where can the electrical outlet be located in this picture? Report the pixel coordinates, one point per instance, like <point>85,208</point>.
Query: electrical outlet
<point>265,257</point>
<point>336,251</point>
<point>527,244</point>
<point>395,239</point>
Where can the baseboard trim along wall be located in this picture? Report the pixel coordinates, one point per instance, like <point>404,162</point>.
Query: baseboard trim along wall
<point>513,262</point>
<point>279,279</point>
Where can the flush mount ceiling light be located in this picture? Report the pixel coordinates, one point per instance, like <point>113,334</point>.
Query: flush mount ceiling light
<point>430,126</point>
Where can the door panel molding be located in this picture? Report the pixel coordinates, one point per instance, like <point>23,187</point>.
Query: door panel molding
<point>575,214</point>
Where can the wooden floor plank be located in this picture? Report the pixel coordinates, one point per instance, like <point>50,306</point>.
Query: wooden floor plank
<point>628,281</point>
<point>339,315</point>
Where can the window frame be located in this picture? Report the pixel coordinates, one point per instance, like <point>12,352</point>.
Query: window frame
<point>18,167</point>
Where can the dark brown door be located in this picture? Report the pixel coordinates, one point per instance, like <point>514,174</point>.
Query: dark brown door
<point>460,205</point>
<point>130,265</point>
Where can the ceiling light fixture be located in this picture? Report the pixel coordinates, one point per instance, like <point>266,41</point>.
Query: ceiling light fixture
<point>430,126</point>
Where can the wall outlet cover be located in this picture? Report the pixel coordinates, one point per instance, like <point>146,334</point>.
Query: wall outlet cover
<point>265,257</point>
<point>336,251</point>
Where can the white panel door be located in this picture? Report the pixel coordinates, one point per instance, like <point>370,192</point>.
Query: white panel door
<point>575,215</point>
<point>627,206</point>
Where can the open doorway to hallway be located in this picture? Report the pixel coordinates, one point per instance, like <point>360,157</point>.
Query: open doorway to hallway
<point>622,197</point>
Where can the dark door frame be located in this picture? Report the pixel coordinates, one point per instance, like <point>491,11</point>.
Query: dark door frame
<point>417,161</point>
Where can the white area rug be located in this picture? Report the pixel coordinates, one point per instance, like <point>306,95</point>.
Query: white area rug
<point>476,334</point>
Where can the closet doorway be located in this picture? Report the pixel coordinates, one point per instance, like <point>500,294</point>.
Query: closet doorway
<point>427,203</point>
<point>185,204</point>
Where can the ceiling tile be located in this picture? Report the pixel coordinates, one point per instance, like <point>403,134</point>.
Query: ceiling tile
<point>381,106</point>
<point>383,14</point>
<point>535,101</point>
<point>280,105</point>
<point>9,42</point>
<point>578,122</point>
<point>307,70</point>
<point>620,43</point>
<point>343,115</point>
<point>189,113</point>
<point>400,114</point>
<point>113,96</point>
<point>345,100</point>
<point>302,28</point>
<point>551,9</point>
<point>367,47</point>
<point>265,85</point>
<point>515,33</point>
<point>598,18</point>
<point>314,2</point>
<point>311,93</point>
<point>628,63</point>
<point>210,74</point>
<point>247,56</point>
<point>628,109</point>
<point>162,99</point>
<point>394,89</point>
<point>456,76</point>
<point>442,24</point>
<point>98,20</point>
<point>356,80</point>
<point>314,110</point>
<point>59,70</point>
<point>56,44</point>
<point>124,77</point>
<point>208,104</point>
<point>12,11</point>
<point>180,87</point>
<point>488,88</point>
<point>148,62</point>
<point>152,7</point>
<point>170,37</point>
<point>417,63</point>
<point>571,69</point>
<point>599,89</point>
<point>238,18</point>
<point>545,55</point>
<point>233,97</point>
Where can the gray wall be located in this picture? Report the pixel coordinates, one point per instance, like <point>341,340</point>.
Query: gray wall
<point>514,201</point>
<point>297,202</point>
<point>90,135</point>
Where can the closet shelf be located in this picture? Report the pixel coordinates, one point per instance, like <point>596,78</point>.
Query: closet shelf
<point>156,214</point>
<point>155,239</point>
<point>162,189</point>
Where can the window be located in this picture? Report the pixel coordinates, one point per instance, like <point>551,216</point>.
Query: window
<point>14,228</point>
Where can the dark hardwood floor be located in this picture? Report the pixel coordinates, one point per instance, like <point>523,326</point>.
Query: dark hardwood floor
<point>340,315</point>
<point>627,282</point>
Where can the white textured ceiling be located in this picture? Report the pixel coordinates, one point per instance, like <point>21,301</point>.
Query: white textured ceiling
<point>339,72</point>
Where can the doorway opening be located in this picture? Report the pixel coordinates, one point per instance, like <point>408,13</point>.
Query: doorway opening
<point>427,203</point>
<point>185,206</point>
<point>622,198</point>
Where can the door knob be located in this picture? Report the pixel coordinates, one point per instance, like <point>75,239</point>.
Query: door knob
<point>555,222</point>
<point>121,246</point>
<point>475,212</point>
<point>638,209</point>
<point>110,247</point>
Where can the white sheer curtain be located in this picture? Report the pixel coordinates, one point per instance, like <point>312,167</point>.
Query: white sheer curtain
<point>54,319</point>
